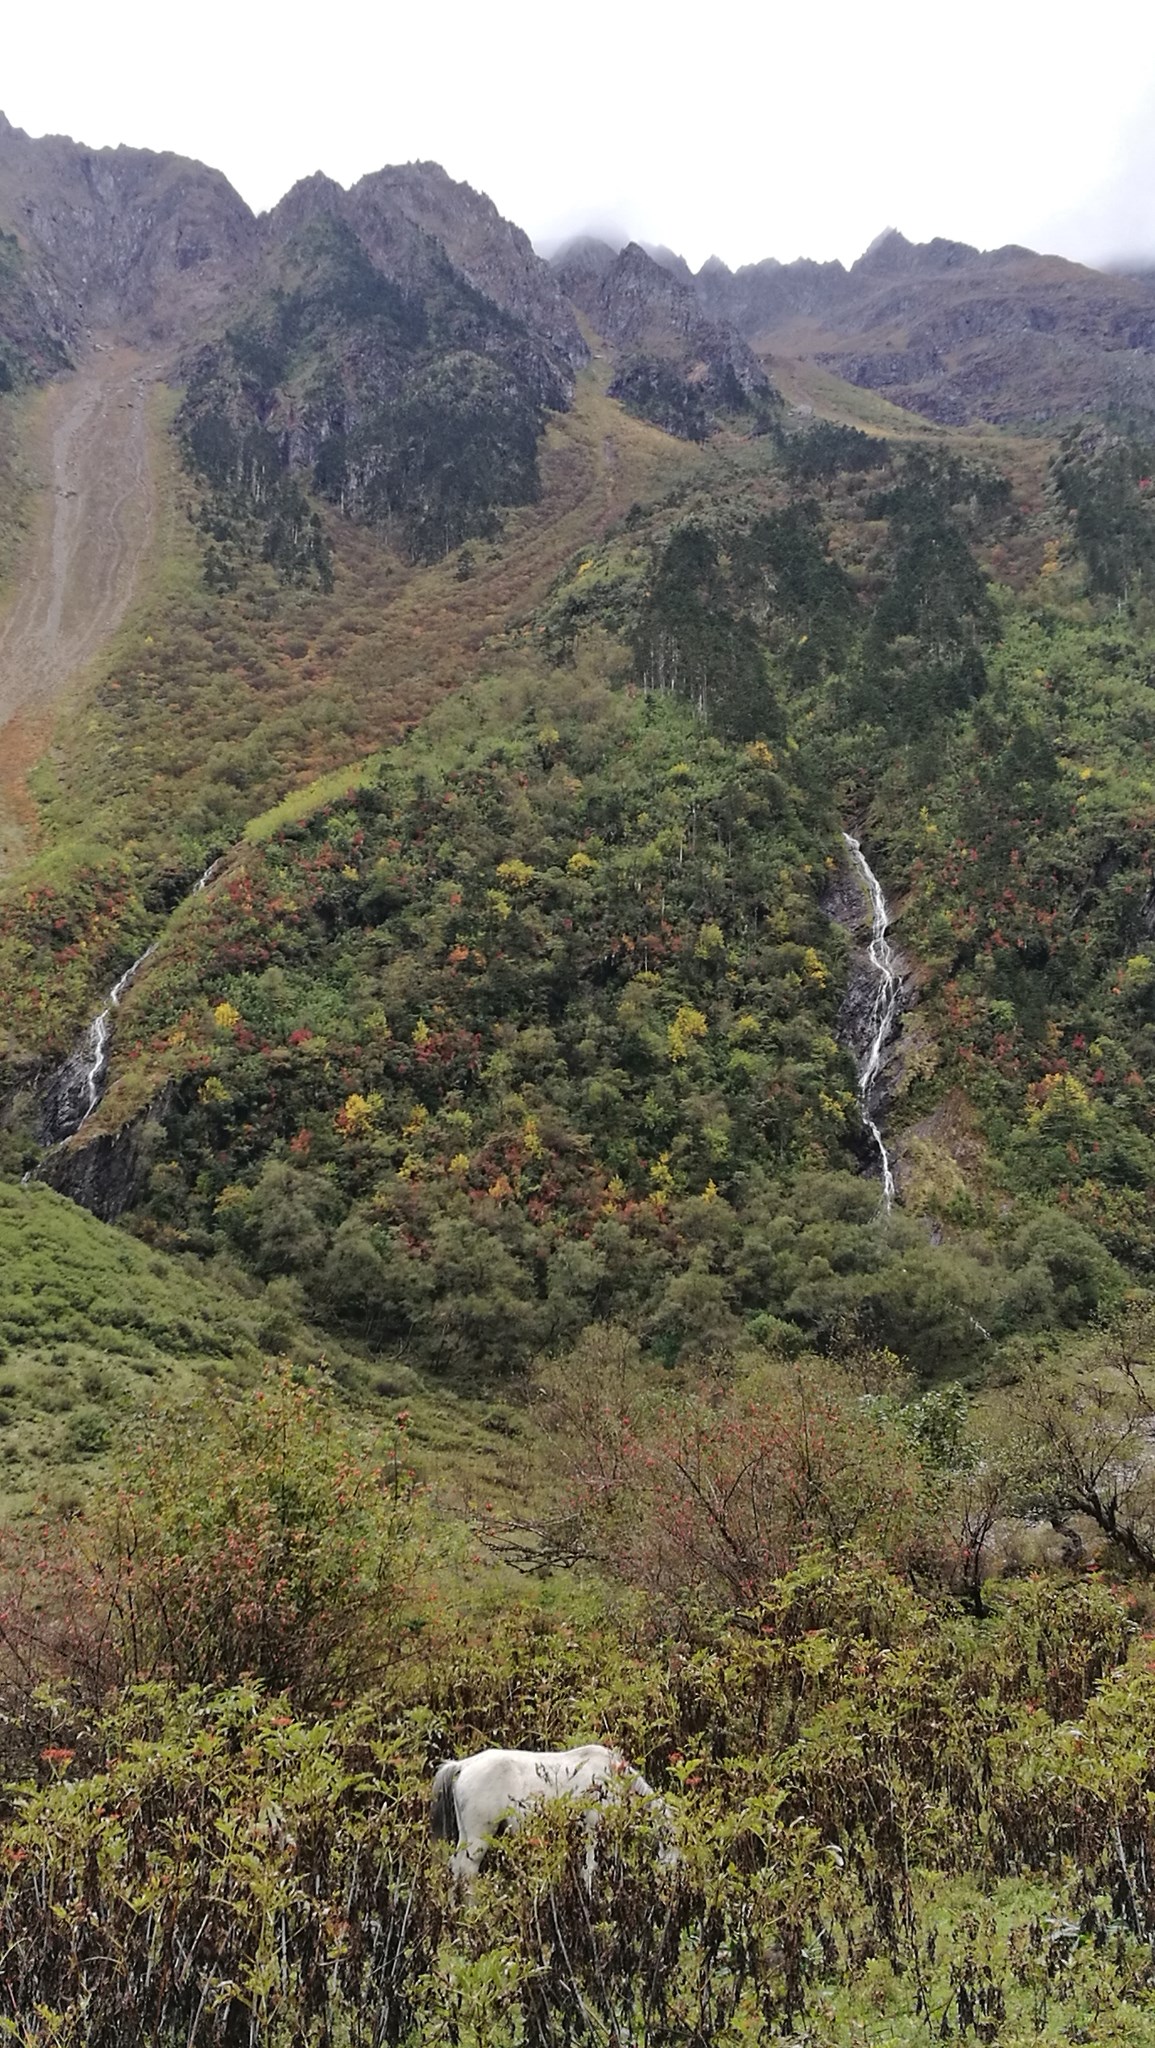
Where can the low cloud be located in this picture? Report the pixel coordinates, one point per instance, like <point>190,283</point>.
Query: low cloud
<point>1114,226</point>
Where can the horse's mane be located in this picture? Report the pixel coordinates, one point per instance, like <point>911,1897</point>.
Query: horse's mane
<point>443,1810</point>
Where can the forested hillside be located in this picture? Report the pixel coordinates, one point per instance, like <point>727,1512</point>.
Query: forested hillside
<point>447,1295</point>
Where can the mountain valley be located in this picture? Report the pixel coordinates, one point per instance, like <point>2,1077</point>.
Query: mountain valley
<point>394,457</point>
<point>441,692</point>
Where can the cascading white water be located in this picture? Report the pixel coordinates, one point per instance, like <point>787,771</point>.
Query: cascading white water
<point>78,1084</point>
<point>93,1051</point>
<point>884,1008</point>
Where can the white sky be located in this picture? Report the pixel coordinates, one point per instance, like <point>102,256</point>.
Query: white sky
<point>747,129</point>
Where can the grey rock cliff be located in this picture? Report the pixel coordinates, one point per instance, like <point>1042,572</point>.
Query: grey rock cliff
<point>494,255</point>
<point>656,323</point>
<point>951,332</point>
<point>128,240</point>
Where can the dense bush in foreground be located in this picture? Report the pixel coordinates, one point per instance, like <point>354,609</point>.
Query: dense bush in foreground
<point>885,1817</point>
<point>896,1822</point>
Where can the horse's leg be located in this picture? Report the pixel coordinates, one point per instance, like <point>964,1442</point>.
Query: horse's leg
<point>589,1861</point>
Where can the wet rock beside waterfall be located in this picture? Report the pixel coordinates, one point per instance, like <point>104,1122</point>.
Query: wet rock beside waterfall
<point>847,903</point>
<point>65,1099</point>
<point>105,1174</point>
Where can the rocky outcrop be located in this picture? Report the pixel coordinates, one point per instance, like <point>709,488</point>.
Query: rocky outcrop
<point>955,333</point>
<point>157,249</point>
<point>154,247</point>
<point>106,1173</point>
<point>143,244</point>
<point>678,367</point>
<point>495,257</point>
<point>362,362</point>
<point>580,266</point>
<point>760,298</point>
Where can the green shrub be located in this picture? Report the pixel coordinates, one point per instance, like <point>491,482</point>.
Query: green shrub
<point>250,1534</point>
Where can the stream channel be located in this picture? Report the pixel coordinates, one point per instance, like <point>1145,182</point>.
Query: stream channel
<point>885,1006</point>
<point>74,1089</point>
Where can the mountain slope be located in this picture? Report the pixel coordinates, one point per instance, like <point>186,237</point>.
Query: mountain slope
<point>676,367</point>
<point>494,255</point>
<point>489,978</point>
<point>362,362</point>
<point>142,244</point>
<point>954,333</point>
<point>552,984</point>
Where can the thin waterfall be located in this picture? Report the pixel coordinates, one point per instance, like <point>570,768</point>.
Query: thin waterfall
<point>77,1085</point>
<point>884,1009</point>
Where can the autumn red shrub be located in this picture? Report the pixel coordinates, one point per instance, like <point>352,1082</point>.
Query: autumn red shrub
<point>711,1491</point>
<point>248,1534</point>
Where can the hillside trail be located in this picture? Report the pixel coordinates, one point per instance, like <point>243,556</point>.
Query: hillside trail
<point>89,453</point>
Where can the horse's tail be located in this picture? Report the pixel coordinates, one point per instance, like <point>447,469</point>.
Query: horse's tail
<point>443,1821</point>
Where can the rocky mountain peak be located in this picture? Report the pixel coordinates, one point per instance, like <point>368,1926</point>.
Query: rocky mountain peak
<point>668,259</point>
<point>493,254</point>
<point>310,199</point>
<point>637,294</point>
<point>583,252</point>
<point>681,368</point>
<point>132,240</point>
<point>891,255</point>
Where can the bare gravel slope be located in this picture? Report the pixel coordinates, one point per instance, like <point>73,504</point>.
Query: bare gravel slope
<point>81,561</point>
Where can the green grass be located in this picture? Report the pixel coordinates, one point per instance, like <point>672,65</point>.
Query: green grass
<point>853,405</point>
<point>93,1326</point>
<point>301,803</point>
<point>1002,1942</point>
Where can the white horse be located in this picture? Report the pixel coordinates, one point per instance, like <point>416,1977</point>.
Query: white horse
<point>476,1798</point>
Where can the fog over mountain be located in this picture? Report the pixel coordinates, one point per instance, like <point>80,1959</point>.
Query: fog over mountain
<point>1113,224</point>
<point>1014,126</point>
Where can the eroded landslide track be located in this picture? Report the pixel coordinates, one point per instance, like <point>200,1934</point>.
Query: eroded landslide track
<point>80,566</point>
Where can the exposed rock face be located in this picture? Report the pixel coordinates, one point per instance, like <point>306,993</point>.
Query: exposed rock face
<point>680,368</point>
<point>759,297</point>
<point>494,255</point>
<point>36,334</point>
<point>362,360</point>
<point>580,268</point>
<point>156,248</point>
<point>105,1174</point>
<point>394,347</point>
<point>124,239</point>
<point>153,246</point>
<point>668,259</point>
<point>941,329</point>
<point>952,332</point>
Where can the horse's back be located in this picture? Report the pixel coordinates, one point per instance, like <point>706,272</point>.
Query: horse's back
<point>582,1750</point>
<point>558,1765</point>
<point>482,1795</point>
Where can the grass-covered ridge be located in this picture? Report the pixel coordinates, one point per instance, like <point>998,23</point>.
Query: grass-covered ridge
<point>93,1327</point>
